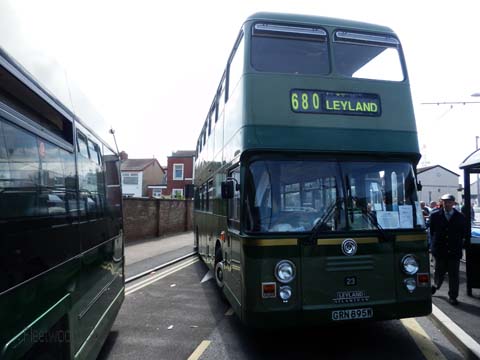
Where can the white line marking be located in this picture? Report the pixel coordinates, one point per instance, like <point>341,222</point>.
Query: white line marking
<point>157,277</point>
<point>461,335</point>
<point>199,350</point>
<point>423,341</point>
<point>154,275</point>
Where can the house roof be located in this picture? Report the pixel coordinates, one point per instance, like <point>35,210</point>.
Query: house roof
<point>183,153</point>
<point>427,168</point>
<point>138,164</point>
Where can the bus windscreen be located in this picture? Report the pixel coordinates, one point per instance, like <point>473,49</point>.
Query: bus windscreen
<point>293,196</point>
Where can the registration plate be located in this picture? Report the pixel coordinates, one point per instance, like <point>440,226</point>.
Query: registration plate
<point>352,314</point>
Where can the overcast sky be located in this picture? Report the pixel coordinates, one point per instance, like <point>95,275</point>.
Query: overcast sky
<point>151,67</point>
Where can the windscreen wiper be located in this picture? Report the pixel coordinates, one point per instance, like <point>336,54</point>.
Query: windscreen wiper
<point>375,223</point>
<point>320,224</point>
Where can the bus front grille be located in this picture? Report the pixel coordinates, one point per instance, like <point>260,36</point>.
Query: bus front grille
<point>343,263</point>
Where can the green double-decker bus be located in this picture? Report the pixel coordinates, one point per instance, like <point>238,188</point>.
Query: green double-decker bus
<point>61,243</point>
<point>306,201</point>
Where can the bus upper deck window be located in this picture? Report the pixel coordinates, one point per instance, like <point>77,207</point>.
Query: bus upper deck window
<point>289,49</point>
<point>367,56</point>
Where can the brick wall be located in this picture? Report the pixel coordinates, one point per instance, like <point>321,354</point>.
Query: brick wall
<point>148,218</point>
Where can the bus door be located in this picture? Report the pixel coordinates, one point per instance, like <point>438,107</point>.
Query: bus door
<point>347,261</point>
<point>233,241</point>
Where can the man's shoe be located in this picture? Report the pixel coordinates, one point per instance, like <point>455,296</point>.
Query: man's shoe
<point>434,289</point>
<point>453,301</point>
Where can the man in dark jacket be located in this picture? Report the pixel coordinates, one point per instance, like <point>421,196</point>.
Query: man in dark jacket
<point>447,230</point>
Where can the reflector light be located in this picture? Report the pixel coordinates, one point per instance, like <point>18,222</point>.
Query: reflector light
<point>423,278</point>
<point>269,290</point>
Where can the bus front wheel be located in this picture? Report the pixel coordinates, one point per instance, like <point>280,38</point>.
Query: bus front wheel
<point>219,268</point>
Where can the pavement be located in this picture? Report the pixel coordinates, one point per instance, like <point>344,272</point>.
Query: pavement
<point>146,254</point>
<point>460,323</point>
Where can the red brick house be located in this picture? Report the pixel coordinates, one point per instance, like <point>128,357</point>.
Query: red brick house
<point>179,172</point>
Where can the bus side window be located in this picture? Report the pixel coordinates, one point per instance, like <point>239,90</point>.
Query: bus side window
<point>234,203</point>
<point>210,190</point>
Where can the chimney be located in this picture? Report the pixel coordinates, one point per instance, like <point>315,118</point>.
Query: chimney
<point>123,155</point>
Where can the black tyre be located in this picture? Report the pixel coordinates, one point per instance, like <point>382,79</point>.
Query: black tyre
<point>218,269</point>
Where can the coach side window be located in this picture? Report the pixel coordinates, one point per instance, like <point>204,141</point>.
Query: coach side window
<point>82,145</point>
<point>20,173</point>
<point>221,96</point>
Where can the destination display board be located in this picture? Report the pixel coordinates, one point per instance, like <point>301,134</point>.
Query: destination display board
<point>328,102</point>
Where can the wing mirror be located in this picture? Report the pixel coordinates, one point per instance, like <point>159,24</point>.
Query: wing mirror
<point>229,187</point>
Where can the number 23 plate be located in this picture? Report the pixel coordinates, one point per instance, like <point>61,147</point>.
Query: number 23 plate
<point>352,314</point>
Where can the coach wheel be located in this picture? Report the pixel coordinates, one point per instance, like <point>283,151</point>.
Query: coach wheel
<point>219,268</point>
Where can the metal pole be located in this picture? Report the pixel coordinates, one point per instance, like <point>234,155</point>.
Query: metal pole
<point>114,139</point>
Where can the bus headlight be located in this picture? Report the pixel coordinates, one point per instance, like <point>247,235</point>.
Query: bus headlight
<point>285,293</point>
<point>285,271</point>
<point>410,264</point>
<point>410,284</point>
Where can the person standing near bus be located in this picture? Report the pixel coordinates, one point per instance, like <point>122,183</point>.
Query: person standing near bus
<point>447,231</point>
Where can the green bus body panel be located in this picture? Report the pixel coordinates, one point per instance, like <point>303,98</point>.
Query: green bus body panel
<point>61,242</point>
<point>27,337</point>
<point>321,273</point>
<point>332,140</point>
<point>91,287</point>
<point>97,287</point>
<point>269,122</point>
<point>94,342</point>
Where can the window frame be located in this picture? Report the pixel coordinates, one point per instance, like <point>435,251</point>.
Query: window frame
<point>174,177</point>
<point>176,190</point>
<point>82,138</point>
<point>130,175</point>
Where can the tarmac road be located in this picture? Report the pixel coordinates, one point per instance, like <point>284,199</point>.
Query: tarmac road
<point>172,314</point>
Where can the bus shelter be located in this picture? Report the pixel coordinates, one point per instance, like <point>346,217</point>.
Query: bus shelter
<point>471,166</point>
